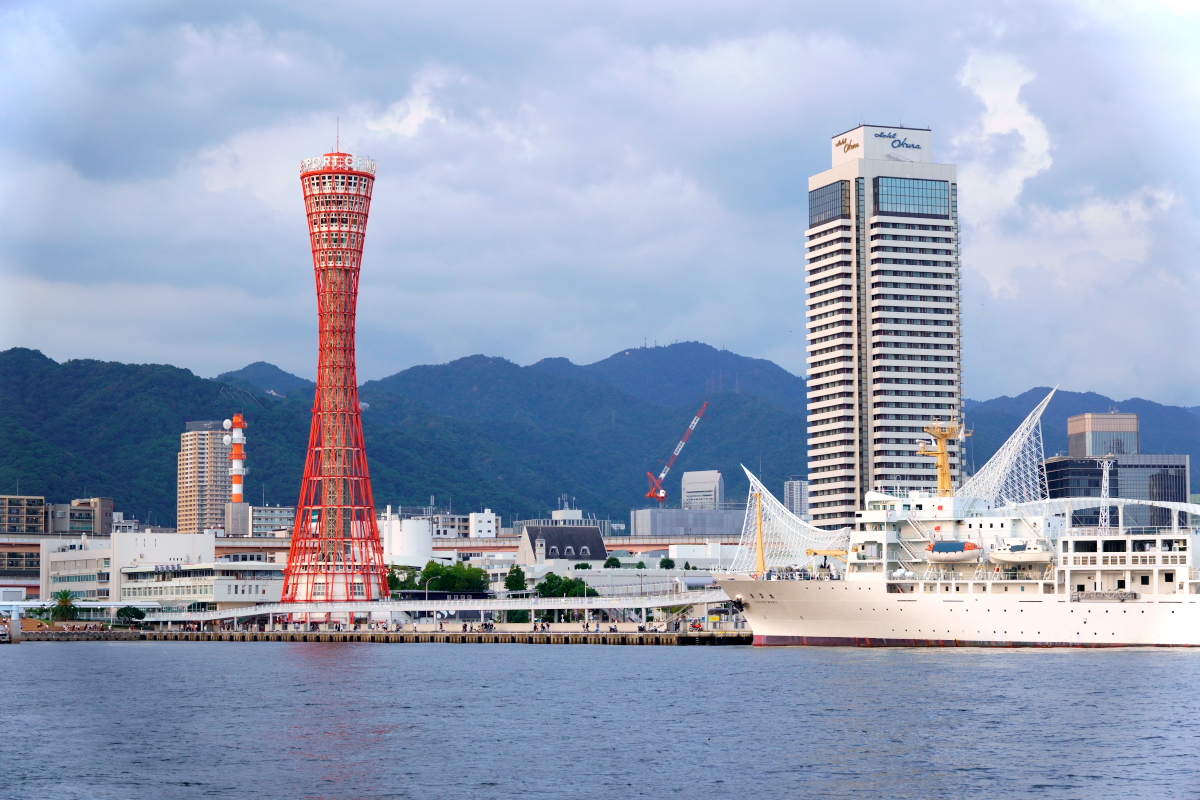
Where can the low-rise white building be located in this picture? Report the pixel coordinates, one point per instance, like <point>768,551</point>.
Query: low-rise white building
<point>484,524</point>
<point>209,586</point>
<point>167,567</point>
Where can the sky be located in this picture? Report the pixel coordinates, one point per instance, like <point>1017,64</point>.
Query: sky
<point>572,179</point>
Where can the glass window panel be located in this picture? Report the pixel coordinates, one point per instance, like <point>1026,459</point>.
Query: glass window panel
<point>829,202</point>
<point>912,197</point>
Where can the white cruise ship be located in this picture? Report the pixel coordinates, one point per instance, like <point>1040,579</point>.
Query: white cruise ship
<point>995,564</point>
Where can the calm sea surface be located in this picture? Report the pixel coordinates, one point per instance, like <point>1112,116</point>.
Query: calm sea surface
<point>274,720</point>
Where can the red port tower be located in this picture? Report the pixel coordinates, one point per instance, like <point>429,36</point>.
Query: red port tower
<point>336,553</point>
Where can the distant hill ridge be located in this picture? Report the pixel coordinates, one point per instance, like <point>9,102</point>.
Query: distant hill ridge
<point>268,378</point>
<point>1164,429</point>
<point>680,373</point>
<point>478,430</point>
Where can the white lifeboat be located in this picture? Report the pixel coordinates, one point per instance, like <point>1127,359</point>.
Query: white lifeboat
<point>953,552</point>
<point>1021,551</point>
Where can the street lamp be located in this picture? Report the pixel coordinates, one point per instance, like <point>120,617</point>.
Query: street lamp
<point>427,580</point>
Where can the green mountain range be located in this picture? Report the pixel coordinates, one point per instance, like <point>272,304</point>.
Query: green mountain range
<point>479,431</point>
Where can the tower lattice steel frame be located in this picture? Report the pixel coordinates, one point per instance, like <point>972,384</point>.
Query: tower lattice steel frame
<point>336,552</point>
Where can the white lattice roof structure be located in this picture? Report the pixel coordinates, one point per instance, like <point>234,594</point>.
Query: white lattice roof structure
<point>1015,474</point>
<point>785,536</point>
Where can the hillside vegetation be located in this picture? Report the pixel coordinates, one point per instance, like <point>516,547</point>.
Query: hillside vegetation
<point>477,431</point>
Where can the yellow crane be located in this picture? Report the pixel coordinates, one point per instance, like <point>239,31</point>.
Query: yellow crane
<point>943,432</point>
<point>838,554</point>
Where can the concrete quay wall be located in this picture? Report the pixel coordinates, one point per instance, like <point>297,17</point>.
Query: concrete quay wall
<point>659,639</point>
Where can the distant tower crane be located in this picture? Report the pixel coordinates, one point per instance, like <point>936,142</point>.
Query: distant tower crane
<point>657,492</point>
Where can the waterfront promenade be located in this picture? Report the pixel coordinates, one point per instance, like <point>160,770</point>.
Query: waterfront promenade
<point>608,602</point>
<point>739,637</point>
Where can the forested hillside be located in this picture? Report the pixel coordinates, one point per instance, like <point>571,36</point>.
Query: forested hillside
<point>477,431</point>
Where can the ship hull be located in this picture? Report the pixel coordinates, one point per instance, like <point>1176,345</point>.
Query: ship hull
<point>843,613</point>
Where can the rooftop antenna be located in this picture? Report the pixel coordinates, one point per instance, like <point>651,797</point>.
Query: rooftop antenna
<point>337,148</point>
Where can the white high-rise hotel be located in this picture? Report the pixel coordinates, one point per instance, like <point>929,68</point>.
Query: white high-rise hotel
<point>883,317</point>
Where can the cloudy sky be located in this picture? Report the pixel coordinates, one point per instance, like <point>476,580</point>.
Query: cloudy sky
<point>569,179</point>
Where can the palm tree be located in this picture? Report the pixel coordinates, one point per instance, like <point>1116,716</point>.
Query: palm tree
<point>64,606</point>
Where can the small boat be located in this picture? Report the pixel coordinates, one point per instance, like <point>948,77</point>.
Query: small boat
<point>1021,551</point>
<point>953,552</point>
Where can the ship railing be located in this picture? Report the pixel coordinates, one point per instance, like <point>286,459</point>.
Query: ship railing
<point>920,528</point>
<point>913,557</point>
<point>1142,530</point>
<point>938,576</point>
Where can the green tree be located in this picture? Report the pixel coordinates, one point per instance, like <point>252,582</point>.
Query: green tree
<point>666,563</point>
<point>456,578</point>
<point>130,613</point>
<point>583,565</point>
<point>64,606</point>
<point>514,581</point>
<point>554,586</point>
<point>612,562</point>
<point>393,578</point>
<point>641,565</point>
<point>687,565</point>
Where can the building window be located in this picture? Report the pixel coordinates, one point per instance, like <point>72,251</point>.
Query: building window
<point>912,197</point>
<point>570,551</point>
<point>585,551</point>
<point>554,551</point>
<point>829,202</point>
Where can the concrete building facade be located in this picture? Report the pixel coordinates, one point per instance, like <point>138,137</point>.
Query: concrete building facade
<point>883,317</point>
<point>22,513</point>
<point>702,490</point>
<point>204,485</point>
<point>92,515</point>
<point>687,522</point>
<point>484,524</point>
<point>243,519</point>
<point>178,570</point>
<point>795,497</point>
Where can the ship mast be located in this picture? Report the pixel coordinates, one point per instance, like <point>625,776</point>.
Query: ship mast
<point>943,433</point>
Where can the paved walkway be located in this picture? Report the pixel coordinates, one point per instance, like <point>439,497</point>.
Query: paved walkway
<point>447,607</point>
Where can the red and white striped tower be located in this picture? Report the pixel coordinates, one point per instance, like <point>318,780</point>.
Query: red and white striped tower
<point>237,455</point>
<point>336,552</point>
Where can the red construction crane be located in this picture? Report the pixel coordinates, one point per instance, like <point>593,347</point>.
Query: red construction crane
<point>657,492</point>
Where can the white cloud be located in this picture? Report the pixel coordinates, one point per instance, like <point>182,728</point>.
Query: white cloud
<point>570,183</point>
<point>992,180</point>
<point>406,117</point>
<point>1067,287</point>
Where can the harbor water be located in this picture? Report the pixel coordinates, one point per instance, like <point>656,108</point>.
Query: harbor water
<point>431,721</point>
